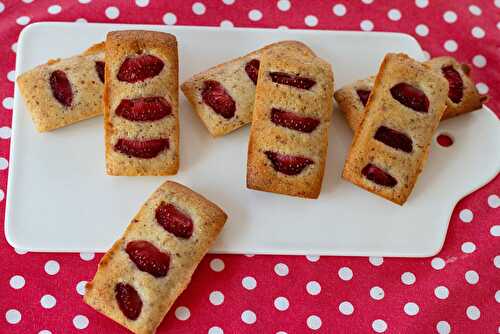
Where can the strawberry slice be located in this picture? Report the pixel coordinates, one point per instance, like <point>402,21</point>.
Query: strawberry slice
<point>410,97</point>
<point>128,300</point>
<point>379,176</point>
<point>363,95</point>
<point>394,139</point>
<point>293,121</point>
<point>61,88</point>
<point>148,258</point>
<point>99,67</point>
<point>144,149</point>
<point>288,164</point>
<point>292,80</point>
<point>144,109</point>
<point>140,68</point>
<point>218,99</point>
<point>252,69</point>
<point>455,83</point>
<point>174,221</point>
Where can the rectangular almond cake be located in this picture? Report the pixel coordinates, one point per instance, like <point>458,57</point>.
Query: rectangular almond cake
<point>145,271</point>
<point>141,103</point>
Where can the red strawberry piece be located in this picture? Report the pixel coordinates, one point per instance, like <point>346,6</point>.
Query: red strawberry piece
<point>379,176</point>
<point>144,109</point>
<point>394,139</point>
<point>363,95</point>
<point>148,258</point>
<point>144,149</point>
<point>128,300</point>
<point>140,68</point>
<point>99,67</point>
<point>293,121</point>
<point>455,83</point>
<point>292,80</point>
<point>174,221</point>
<point>252,69</point>
<point>61,88</point>
<point>288,164</point>
<point>218,99</point>
<point>410,96</point>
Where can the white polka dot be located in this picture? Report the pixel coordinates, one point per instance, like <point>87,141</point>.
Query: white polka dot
<point>23,20</point>
<point>346,308</point>
<point>169,18</point>
<point>314,322</point>
<point>198,8</point>
<point>52,267</point>
<point>281,332</point>
<point>281,269</point>
<point>497,3</point>
<point>84,1</point>
<point>228,2</point>
<point>339,10</point>
<point>81,20</point>
<point>466,215</point>
<point>394,14</point>
<point>411,308</point>
<point>479,61</point>
<point>2,7</point>
<point>2,195</point>
<point>468,247</point>
<point>215,330</point>
<point>20,251</point>
<point>497,296</point>
<point>379,326</point>
<point>80,287</point>
<point>4,164</point>
<point>475,10</point>
<point>30,1</point>
<point>367,2</point>
<point>54,9</point>
<point>366,25</point>
<point>112,12</point>
<point>13,316</point>
<point>249,283</point>
<point>281,303</point>
<point>87,256</point>
<point>495,230</point>
<point>248,317</point>
<point>473,313</point>
<point>472,277</point>
<point>482,88</point>
<point>408,278</point>
<point>311,21</point>
<point>438,263</point>
<point>284,5</point>
<point>216,298</point>
<point>377,293</point>
<point>441,292</point>
<point>450,16</point>
<point>44,331</point>
<point>182,313</point>
<point>443,327</point>
<point>312,258</point>
<point>427,55</point>
<point>80,321</point>
<point>226,24</point>
<point>217,265</point>
<point>450,45</point>
<point>422,30</point>
<point>478,32</point>
<point>376,260</point>
<point>496,261</point>
<point>282,28</point>
<point>48,301</point>
<point>247,255</point>
<point>255,15</point>
<point>345,273</point>
<point>8,102</point>
<point>421,3</point>
<point>498,25</point>
<point>14,47</point>
<point>17,282</point>
<point>313,288</point>
<point>494,201</point>
<point>11,76</point>
<point>142,3</point>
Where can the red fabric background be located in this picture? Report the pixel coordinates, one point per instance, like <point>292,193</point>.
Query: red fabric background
<point>25,281</point>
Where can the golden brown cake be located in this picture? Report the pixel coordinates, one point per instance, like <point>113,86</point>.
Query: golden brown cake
<point>141,103</point>
<point>145,271</point>
<point>390,147</point>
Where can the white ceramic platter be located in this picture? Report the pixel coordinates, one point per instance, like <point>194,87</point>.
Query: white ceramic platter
<point>59,198</point>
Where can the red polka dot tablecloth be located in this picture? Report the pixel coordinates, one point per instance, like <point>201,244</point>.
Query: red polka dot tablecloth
<point>457,291</point>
